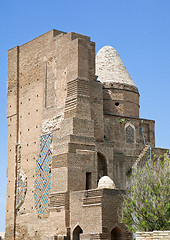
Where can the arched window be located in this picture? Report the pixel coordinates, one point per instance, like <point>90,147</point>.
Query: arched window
<point>76,233</point>
<point>130,133</point>
<point>102,166</point>
<point>116,234</point>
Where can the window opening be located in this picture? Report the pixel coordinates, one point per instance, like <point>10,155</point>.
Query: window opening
<point>130,134</point>
<point>88,180</point>
<point>102,166</point>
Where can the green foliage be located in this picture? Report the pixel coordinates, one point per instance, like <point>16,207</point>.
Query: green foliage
<point>146,205</point>
<point>122,120</point>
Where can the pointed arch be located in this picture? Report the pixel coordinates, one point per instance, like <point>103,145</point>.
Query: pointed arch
<point>76,232</point>
<point>116,233</point>
<point>102,165</point>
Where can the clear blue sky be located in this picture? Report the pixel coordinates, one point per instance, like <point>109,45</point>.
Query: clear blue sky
<point>138,29</point>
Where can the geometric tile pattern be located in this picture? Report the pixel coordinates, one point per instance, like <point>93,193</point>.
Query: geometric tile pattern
<point>21,189</point>
<point>42,182</point>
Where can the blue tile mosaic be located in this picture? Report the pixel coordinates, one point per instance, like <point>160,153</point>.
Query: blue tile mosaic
<point>43,176</point>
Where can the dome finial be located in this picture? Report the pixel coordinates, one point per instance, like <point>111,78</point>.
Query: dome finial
<point>110,68</point>
<point>106,182</point>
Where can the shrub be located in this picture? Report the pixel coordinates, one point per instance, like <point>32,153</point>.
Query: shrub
<point>146,205</point>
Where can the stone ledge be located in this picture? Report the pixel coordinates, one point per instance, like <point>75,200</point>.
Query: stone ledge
<point>155,235</point>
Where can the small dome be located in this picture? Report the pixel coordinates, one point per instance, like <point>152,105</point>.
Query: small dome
<point>110,68</point>
<point>106,182</point>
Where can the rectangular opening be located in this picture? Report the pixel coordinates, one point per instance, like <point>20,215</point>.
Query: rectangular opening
<point>88,180</point>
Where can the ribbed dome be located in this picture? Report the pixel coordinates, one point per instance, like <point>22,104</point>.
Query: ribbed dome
<point>110,68</point>
<point>106,182</point>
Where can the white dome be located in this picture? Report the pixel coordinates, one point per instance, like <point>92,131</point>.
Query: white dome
<point>106,182</point>
<point>110,68</point>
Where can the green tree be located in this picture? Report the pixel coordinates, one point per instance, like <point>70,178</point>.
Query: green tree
<point>146,205</point>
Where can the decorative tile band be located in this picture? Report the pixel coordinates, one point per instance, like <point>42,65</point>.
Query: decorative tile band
<point>43,176</point>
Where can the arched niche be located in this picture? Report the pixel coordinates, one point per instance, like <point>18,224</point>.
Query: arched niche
<point>130,133</point>
<point>116,234</point>
<point>102,165</point>
<point>76,233</point>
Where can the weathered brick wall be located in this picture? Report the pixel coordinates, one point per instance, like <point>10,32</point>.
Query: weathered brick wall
<point>127,148</point>
<point>97,212</point>
<point>48,80</point>
<point>26,89</point>
<point>121,99</point>
<point>63,126</point>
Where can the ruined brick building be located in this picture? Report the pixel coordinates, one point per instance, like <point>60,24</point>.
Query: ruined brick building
<point>71,120</point>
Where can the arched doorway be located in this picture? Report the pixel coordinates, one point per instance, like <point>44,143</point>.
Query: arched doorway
<point>116,234</point>
<point>102,166</point>
<point>76,233</point>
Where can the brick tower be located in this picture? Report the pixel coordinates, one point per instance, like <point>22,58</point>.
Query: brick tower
<point>74,134</point>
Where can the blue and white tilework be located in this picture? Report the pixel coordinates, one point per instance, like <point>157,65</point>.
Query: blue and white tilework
<point>43,175</point>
